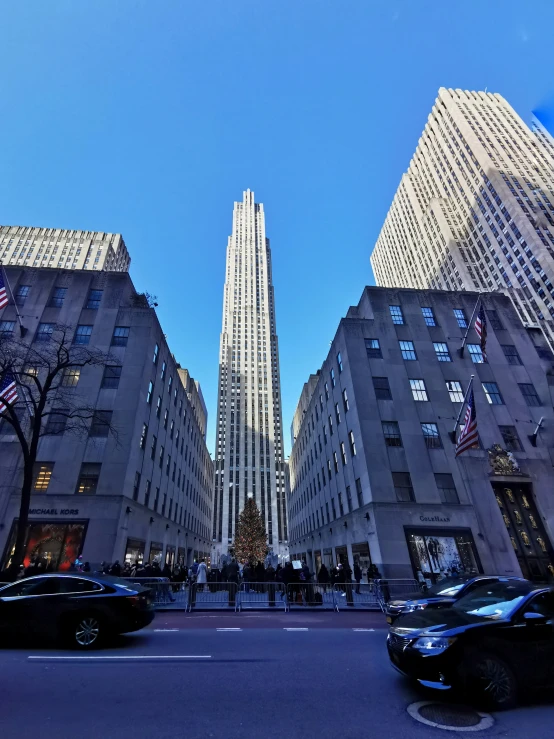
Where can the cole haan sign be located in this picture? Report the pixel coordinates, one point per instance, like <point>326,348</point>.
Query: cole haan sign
<point>435,519</point>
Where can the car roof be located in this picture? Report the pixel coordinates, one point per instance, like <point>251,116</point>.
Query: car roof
<point>93,577</point>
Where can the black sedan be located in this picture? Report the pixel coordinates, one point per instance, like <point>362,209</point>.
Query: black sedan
<point>491,644</point>
<point>80,609</point>
<point>440,595</point>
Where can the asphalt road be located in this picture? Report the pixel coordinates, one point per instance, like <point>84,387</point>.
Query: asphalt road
<point>184,678</point>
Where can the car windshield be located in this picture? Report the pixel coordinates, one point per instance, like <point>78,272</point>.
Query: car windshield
<point>495,601</point>
<point>448,586</point>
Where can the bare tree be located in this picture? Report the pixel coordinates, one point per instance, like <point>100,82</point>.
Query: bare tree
<point>48,402</point>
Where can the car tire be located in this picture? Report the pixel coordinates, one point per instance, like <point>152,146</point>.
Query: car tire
<point>490,681</point>
<point>84,631</point>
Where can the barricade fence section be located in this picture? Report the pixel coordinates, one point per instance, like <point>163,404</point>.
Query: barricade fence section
<point>364,596</point>
<point>262,595</point>
<point>213,595</point>
<point>164,591</point>
<point>398,588</point>
<point>312,595</point>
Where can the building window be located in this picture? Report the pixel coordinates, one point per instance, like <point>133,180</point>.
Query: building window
<point>544,352</point>
<point>101,421</point>
<point>158,407</point>
<point>418,390</point>
<point>330,425</point>
<point>510,352</point>
<point>391,432</point>
<point>82,334</point>
<point>441,350</point>
<point>352,443</point>
<point>6,328</point>
<point>143,434</point>
<point>169,384</point>
<point>529,393</point>
<point>70,377</point>
<point>332,376</point>
<point>343,453</point>
<point>373,349</point>
<point>42,473</point>
<point>326,391</point>
<point>57,419</point>
<point>156,354</point>
<point>88,479</point>
<point>510,439</point>
<point>337,413</point>
<point>136,486</point>
<point>493,393</point>
<point>120,336</point>
<point>166,416</point>
<point>382,388</point>
<point>22,294</point>
<point>359,492</point>
<point>153,447</point>
<point>161,458</point>
<point>431,435</point>
<point>349,505</point>
<point>147,493</point>
<point>455,391</point>
<point>407,349</point>
<point>58,296</point>
<point>403,487</point>
<point>336,461</point>
<point>396,314</point>
<point>44,332</point>
<point>460,317</point>
<point>112,375</point>
<point>345,401</point>
<point>339,362</point>
<point>429,316</point>
<point>171,429</point>
<point>475,353</point>
<point>446,487</point>
<point>494,320</point>
<point>94,299</point>
<point>149,392</point>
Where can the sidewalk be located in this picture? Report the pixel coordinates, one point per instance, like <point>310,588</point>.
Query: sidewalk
<point>309,618</point>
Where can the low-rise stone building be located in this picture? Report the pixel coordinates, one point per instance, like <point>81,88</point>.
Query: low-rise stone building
<point>145,493</point>
<point>374,476</point>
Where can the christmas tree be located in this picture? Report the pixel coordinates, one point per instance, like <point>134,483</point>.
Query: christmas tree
<point>250,535</point>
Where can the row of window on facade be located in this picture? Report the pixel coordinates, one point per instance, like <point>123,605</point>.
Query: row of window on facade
<point>58,295</point>
<point>81,336</point>
<point>87,484</point>
<point>430,319</point>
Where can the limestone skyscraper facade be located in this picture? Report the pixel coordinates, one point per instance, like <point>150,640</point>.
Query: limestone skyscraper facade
<point>249,444</point>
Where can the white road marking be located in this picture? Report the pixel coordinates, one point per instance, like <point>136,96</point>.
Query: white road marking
<point>363,629</point>
<point>296,629</point>
<point>166,629</point>
<point>123,657</point>
<point>229,629</point>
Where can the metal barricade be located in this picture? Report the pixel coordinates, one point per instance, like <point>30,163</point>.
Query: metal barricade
<point>165,593</point>
<point>364,596</point>
<point>213,595</point>
<point>262,595</point>
<point>398,588</point>
<point>311,595</point>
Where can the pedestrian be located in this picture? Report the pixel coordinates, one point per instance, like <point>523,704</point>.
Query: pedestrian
<point>247,576</point>
<point>78,564</point>
<point>357,576</point>
<point>115,569</point>
<point>202,574</point>
<point>260,576</point>
<point>166,572</point>
<point>323,577</point>
<point>86,567</point>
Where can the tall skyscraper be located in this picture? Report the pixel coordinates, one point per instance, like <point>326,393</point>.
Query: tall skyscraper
<point>27,246</point>
<point>249,453</point>
<point>475,210</point>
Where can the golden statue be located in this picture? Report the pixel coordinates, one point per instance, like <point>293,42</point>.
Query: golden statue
<point>498,500</point>
<point>541,543</point>
<point>506,520</point>
<point>525,538</point>
<point>519,520</point>
<point>509,494</point>
<point>533,522</point>
<point>551,568</point>
<point>525,501</point>
<point>514,543</point>
<point>502,461</point>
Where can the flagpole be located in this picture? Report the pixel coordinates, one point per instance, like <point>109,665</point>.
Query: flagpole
<point>453,433</point>
<point>469,325</point>
<point>22,329</point>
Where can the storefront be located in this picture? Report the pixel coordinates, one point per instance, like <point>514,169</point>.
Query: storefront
<point>328,559</point>
<point>361,555</point>
<point>436,553</point>
<point>56,543</point>
<point>156,549</point>
<point>341,554</point>
<point>134,551</point>
<point>317,560</point>
<point>170,555</point>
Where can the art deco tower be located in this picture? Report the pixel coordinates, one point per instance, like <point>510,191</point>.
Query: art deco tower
<point>249,452</point>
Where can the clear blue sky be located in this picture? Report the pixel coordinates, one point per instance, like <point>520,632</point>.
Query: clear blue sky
<point>150,117</point>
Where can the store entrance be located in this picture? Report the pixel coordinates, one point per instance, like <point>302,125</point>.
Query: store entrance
<point>53,546</point>
<point>438,553</point>
<point>525,529</point>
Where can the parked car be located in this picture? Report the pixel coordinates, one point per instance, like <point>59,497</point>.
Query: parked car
<point>440,595</point>
<point>492,643</point>
<point>80,609</point>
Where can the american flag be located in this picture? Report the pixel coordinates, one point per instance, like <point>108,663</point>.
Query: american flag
<point>468,435</point>
<point>8,390</point>
<point>3,294</point>
<point>481,329</point>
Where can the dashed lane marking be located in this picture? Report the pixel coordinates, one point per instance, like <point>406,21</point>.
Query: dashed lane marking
<point>296,629</point>
<point>229,629</point>
<point>121,658</point>
<point>363,629</point>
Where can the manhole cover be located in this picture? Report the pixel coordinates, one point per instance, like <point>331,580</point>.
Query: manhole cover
<point>450,717</point>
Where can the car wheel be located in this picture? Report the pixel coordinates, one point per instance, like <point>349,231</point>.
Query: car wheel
<point>491,681</point>
<point>85,631</point>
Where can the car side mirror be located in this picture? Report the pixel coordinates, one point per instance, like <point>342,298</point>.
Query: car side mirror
<point>531,618</point>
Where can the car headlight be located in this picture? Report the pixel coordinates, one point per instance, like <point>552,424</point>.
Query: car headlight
<point>433,644</point>
<point>411,607</point>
